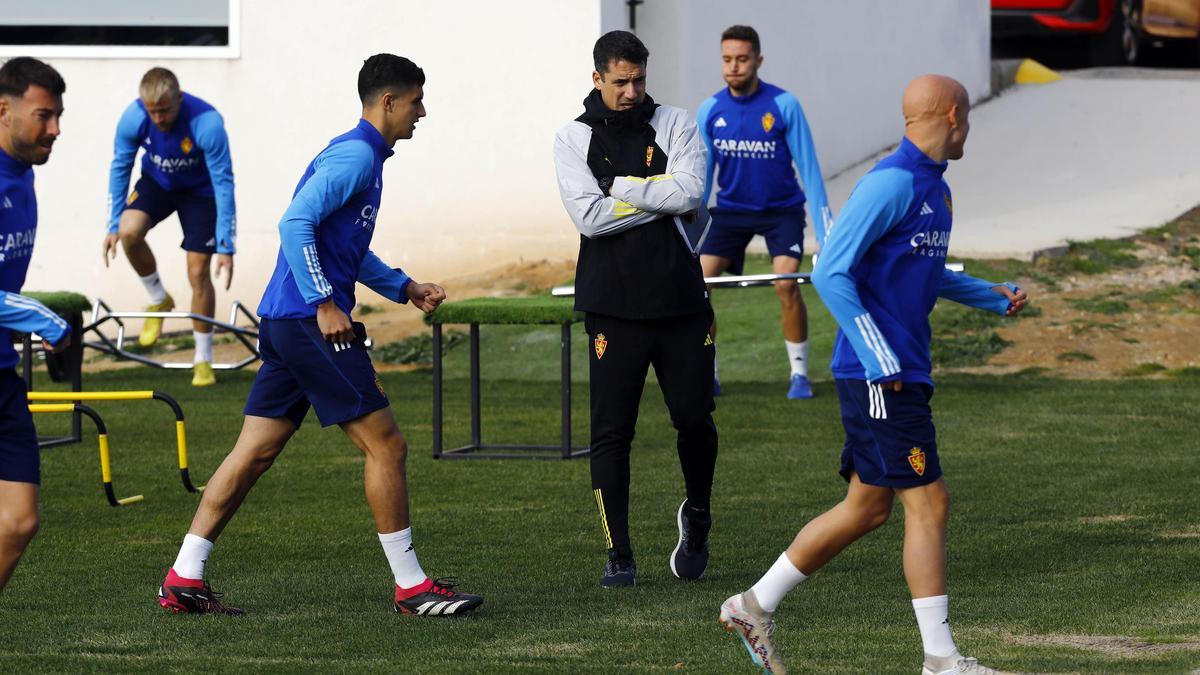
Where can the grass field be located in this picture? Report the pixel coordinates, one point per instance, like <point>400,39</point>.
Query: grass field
<point>1075,514</point>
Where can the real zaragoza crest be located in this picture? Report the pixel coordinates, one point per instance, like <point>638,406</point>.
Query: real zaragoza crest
<point>916,459</point>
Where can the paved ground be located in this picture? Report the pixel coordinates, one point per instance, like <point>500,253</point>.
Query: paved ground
<point>1101,153</point>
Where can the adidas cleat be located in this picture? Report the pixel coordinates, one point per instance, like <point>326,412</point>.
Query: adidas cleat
<point>192,596</point>
<point>153,326</point>
<point>690,557</point>
<point>436,598</point>
<point>800,387</point>
<point>202,374</point>
<point>956,664</point>
<point>741,615</point>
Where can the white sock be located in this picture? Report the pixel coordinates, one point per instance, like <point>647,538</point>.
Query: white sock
<point>932,617</point>
<point>398,548</point>
<point>777,582</point>
<point>798,357</point>
<point>203,346</point>
<point>154,287</point>
<point>193,554</point>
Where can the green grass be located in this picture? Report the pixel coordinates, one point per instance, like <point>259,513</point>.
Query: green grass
<point>1036,467</point>
<point>1143,369</point>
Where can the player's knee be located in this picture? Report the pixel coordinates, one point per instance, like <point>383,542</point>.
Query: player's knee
<point>130,236</point>
<point>788,291</point>
<point>398,449</point>
<point>20,528</point>
<point>877,514</point>
<point>199,276</point>
<point>260,457</point>
<point>871,514</point>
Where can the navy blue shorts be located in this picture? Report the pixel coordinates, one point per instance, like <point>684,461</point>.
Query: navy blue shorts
<point>19,458</point>
<point>301,368</point>
<point>890,439</point>
<point>197,213</point>
<point>732,231</point>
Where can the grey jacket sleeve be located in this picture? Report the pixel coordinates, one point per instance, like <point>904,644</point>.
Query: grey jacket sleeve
<point>681,188</point>
<point>594,214</point>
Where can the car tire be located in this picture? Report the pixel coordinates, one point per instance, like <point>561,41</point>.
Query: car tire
<point>1121,44</point>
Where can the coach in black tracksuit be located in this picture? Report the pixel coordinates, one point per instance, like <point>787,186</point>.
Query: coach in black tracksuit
<point>628,168</point>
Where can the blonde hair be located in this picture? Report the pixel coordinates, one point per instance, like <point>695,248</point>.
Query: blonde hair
<point>157,83</point>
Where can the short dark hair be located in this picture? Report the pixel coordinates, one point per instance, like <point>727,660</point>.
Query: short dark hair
<point>387,70</point>
<point>745,33</point>
<point>618,45</point>
<point>19,73</point>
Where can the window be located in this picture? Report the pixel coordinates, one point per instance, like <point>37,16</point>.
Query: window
<point>120,28</point>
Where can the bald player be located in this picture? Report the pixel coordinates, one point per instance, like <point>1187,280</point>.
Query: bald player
<point>880,273</point>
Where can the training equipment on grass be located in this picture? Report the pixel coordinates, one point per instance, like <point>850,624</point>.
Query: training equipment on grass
<point>248,336</point>
<point>180,431</point>
<point>529,310</point>
<point>741,280</point>
<point>102,431</point>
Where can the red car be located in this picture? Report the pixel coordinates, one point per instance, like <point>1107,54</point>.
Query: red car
<point>1116,30</point>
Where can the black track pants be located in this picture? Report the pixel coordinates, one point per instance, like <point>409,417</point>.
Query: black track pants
<point>621,352</point>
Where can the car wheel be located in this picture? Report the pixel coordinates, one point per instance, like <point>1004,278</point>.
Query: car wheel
<point>1121,44</point>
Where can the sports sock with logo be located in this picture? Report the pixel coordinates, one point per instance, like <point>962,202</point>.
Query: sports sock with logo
<point>777,582</point>
<point>402,558</point>
<point>154,287</point>
<point>203,346</point>
<point>798,356</point>
<point>932,617</point>
<point>193,555</point>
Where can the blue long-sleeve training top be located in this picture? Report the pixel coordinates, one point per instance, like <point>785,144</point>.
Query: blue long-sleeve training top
<point>325,234</point>
<point>18,230</point>
<point>883,267</point>
<point>193,156</point>
<point>753,141</point>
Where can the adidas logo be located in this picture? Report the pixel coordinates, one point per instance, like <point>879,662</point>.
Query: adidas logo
<point>720,123</point>
<point>7,203</point>
<point>795,248</point>
<point>211,242</point>
<point>925,210</point>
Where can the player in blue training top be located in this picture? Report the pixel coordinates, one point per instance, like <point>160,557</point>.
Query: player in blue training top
<point>313,356</point>
<point>186,170</point>
<point>881,270</point>
<point>30,108</point>
<point>755,132</point>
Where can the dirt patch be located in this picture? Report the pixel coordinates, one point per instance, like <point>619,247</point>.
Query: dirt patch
<point>1192,532</point>
<point>1138,316</point>
<point>1100,520</point>
<point>1113,645</point>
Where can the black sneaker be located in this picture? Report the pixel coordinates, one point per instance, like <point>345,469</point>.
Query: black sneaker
<point>618,571</point>
<point>437,598</point>
<point>690,557</point>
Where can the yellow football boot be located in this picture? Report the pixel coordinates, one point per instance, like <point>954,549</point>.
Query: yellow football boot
<point>202,375</point>
<point>153,327</point>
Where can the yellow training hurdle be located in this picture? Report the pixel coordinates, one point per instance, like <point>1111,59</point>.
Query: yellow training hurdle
<point>102,431</point>
<point>146,395</point>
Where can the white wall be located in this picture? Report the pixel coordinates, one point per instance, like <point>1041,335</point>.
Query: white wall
<point>474,188</point>
<point>846,60</point>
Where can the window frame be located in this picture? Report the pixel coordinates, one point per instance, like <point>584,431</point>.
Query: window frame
<point>231,51</point>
